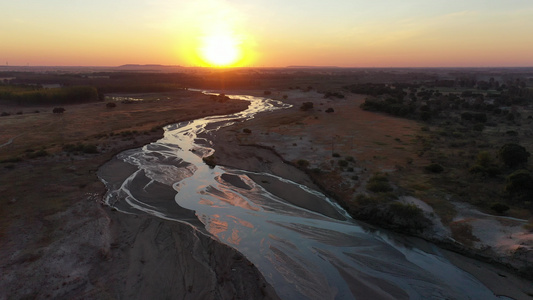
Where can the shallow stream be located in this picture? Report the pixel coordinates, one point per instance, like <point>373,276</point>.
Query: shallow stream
<point>303,254</point>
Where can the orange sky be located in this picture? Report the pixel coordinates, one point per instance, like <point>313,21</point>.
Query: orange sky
<point>349,33</point>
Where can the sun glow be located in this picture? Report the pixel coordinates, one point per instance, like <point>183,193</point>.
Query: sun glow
<point>220,50</point>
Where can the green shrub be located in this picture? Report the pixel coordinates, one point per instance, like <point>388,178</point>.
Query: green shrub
<point>246,130</point>
<point>379,183</point>
<point>342,163</point>
<point>336,155</point>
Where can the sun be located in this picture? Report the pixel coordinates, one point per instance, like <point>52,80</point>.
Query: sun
<point>220,50</point>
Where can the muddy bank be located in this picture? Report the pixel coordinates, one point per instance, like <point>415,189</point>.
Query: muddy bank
<point>102,253</point>
<point>151,258</point>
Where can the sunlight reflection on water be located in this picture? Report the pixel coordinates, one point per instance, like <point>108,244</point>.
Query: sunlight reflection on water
<point>302,253</point>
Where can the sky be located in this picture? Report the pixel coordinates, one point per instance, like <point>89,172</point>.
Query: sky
<point>267,33</point>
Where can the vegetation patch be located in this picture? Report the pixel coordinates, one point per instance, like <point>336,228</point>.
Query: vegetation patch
<point>210,161</point>
<point>379,183</point>
<point>80,148</point>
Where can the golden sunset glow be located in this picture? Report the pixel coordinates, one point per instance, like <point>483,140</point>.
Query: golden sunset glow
<point>385,33</point>
<point>220,50</point>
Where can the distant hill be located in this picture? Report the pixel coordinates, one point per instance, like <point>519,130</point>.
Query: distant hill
<point>313,67</point>
<point>146,67</point>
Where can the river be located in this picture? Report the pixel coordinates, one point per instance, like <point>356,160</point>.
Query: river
<point>301,253</point>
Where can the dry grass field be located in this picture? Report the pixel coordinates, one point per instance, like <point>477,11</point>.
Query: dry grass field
<point>38,178</point>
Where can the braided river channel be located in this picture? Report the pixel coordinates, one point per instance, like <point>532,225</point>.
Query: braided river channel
<point>303,254</point>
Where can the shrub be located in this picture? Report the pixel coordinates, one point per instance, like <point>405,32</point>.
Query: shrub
<point>518,181</point>
<point>266,93</point>
<point>336,155</point>
<point>58,110</point>
<point>499,207</point>
<point>478,127</point>
<point>330,110</point>
<point>484,159</point>
<point>343,163</point>
<point>406,211</point>
<point>79,147</point>
<point>90,149</point>
<point>307,106</point>
<point>210,161</point>
<point>379,184</point>
<point>246,130</point>
<point>111,105</point>
<point>513,154</point>
<point>14,159</point>
<point>316,170</point>
<point>434,168</point>
<point>40,153</point>
<point>302,163</point>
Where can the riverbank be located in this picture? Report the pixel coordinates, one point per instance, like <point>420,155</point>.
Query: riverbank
<point>377,143</point>
<point>58,241</point>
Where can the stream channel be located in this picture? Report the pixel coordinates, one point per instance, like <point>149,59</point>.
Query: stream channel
<point>301,253</point>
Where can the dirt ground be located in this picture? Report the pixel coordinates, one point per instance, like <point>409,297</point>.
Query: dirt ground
<point>377,143</point>
<point>58,241</point>
<point>53,225</point>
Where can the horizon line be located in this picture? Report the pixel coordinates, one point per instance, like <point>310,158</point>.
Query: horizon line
<point>264,67</point>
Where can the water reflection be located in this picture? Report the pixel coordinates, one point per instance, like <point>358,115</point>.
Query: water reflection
<point>304,254</point>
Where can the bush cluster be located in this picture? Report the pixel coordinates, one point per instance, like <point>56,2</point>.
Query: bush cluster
<point>80,148</point>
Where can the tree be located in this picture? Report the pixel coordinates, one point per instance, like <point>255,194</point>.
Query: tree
<point>513,154</point>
